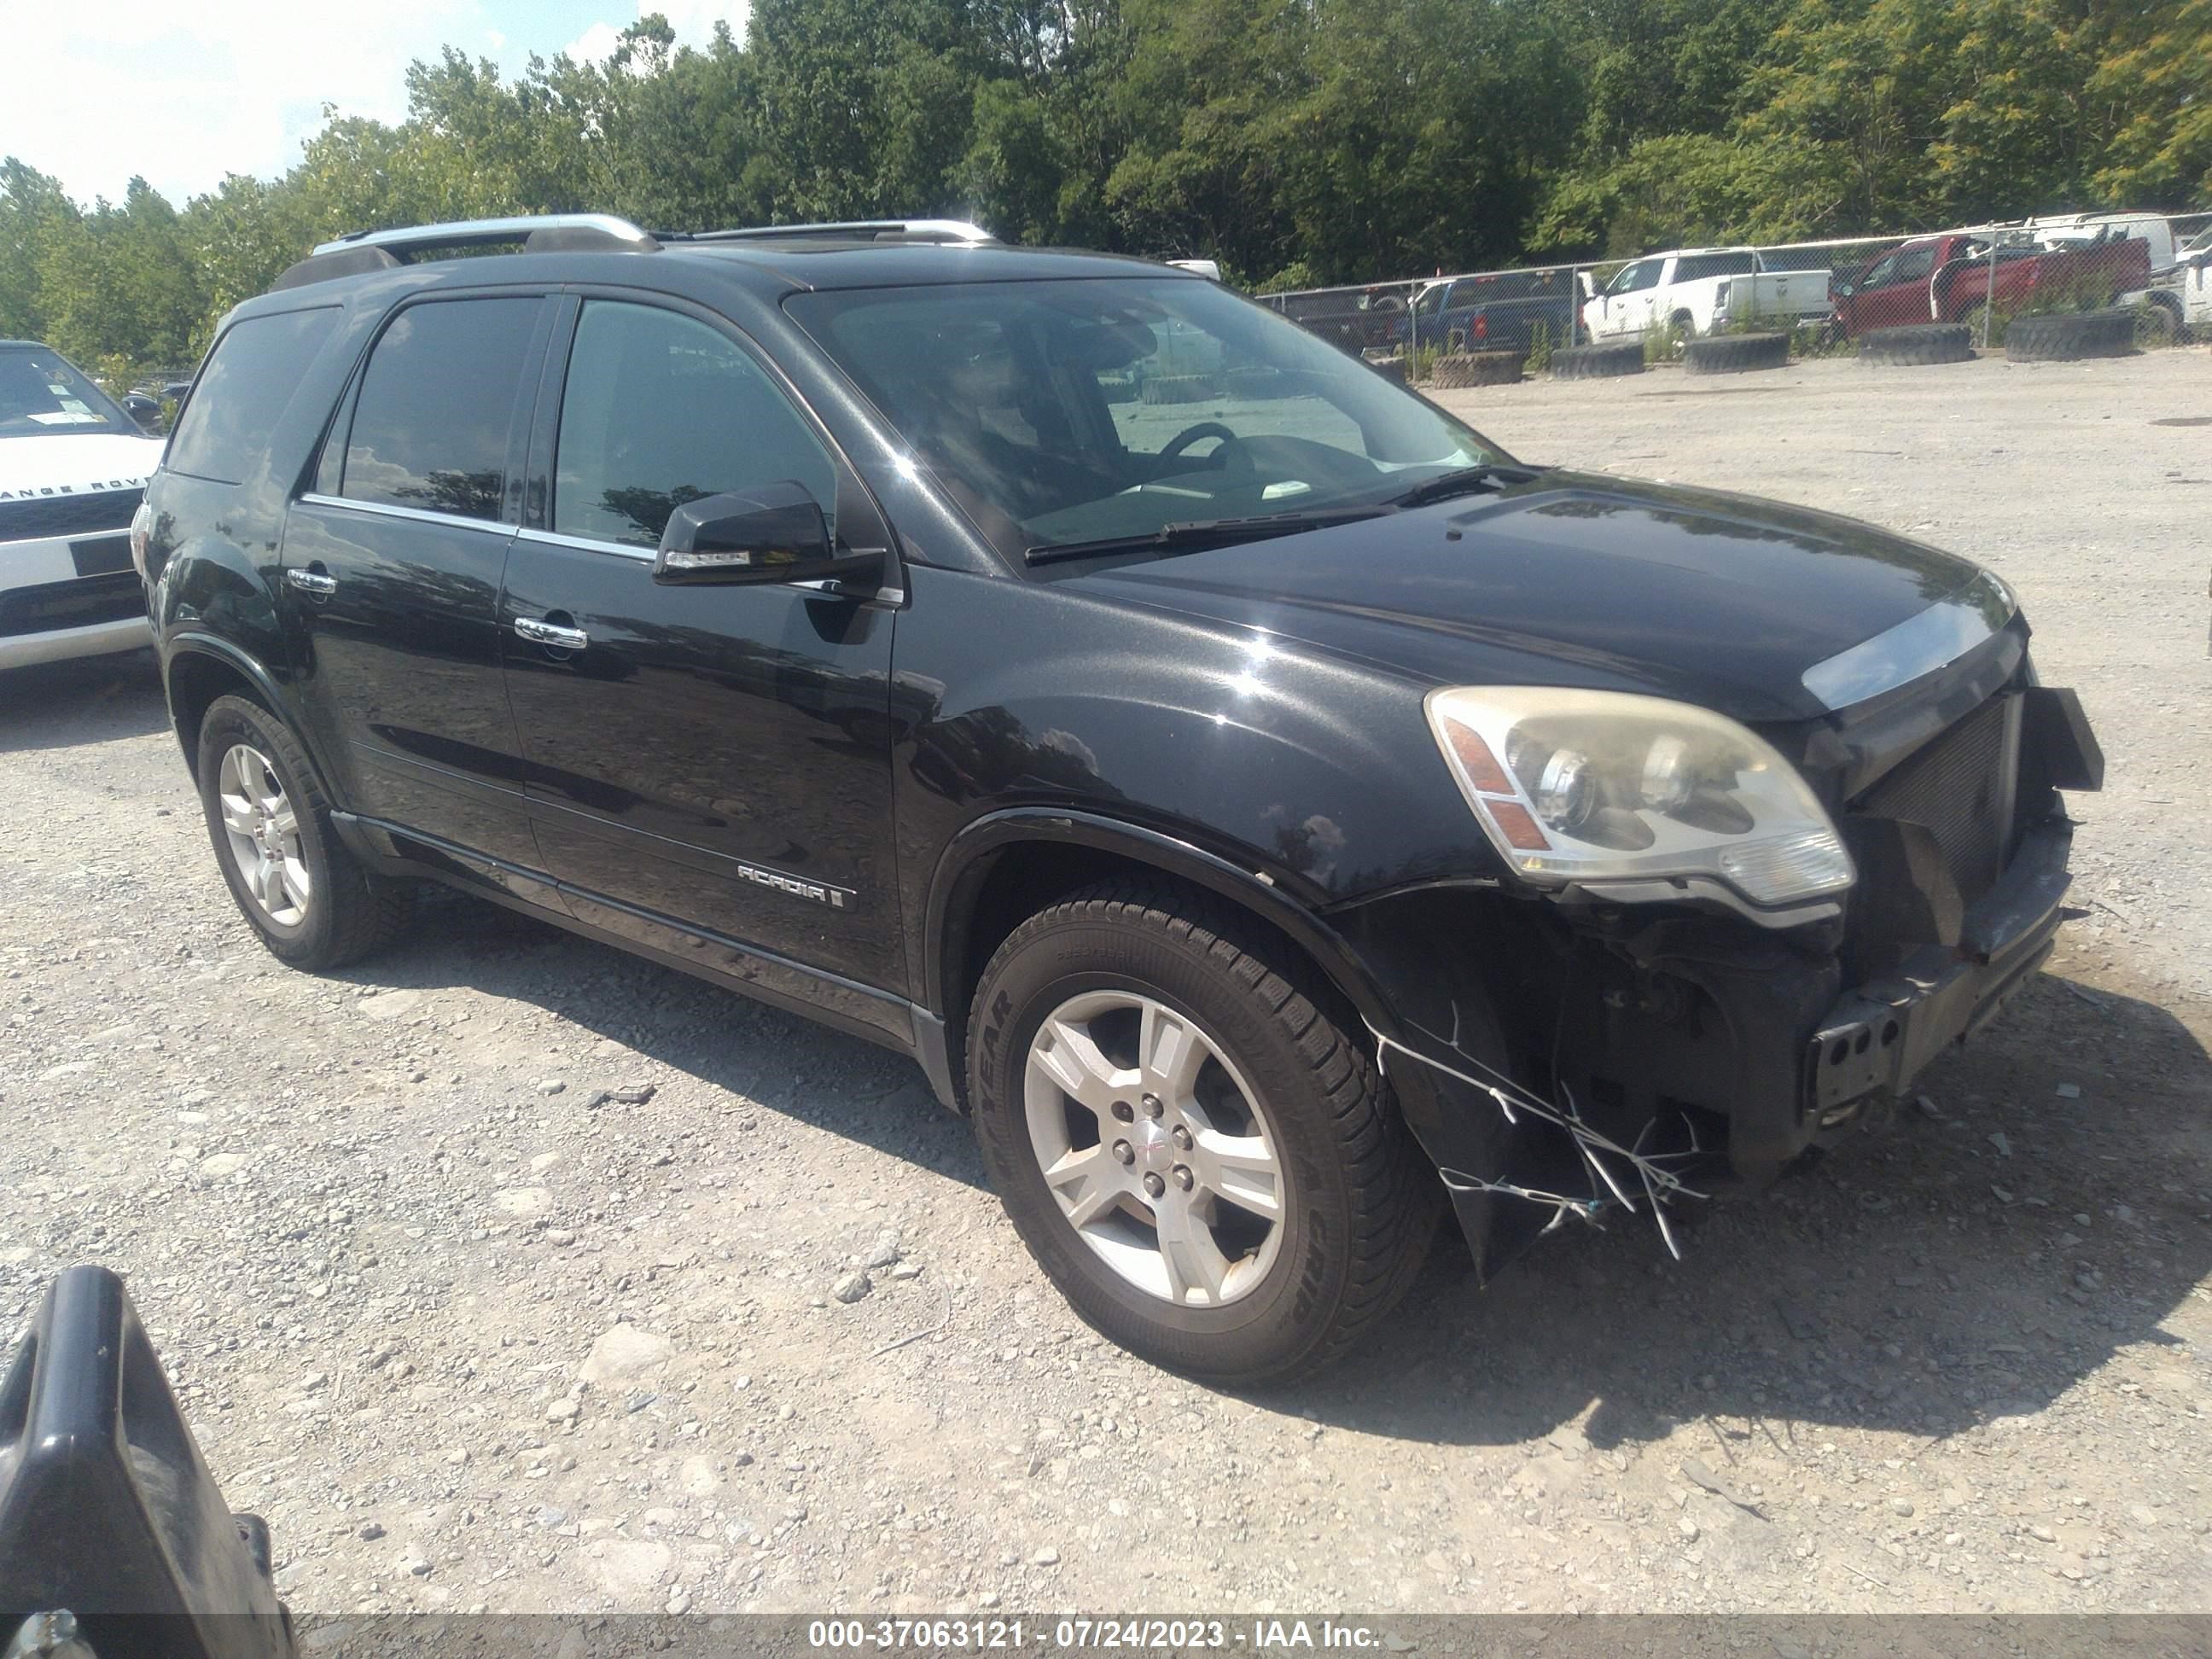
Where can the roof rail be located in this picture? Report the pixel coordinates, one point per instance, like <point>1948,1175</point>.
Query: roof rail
<point>918,230</point>
<point>364,251</point>
<point>544,232</point>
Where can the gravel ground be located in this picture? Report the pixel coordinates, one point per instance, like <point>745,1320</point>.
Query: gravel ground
<point>503,1272</point>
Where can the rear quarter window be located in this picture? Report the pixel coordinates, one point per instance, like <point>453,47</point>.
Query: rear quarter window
<point>1698,267</point>
<point>243,392</point>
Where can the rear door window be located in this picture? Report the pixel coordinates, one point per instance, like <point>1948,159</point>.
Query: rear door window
<point>431,428</point>
<point>660,410</point>
<point>243,392</point>
<point>1643,273</point>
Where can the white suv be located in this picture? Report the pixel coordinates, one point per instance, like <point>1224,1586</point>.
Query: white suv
<point>73,468</point>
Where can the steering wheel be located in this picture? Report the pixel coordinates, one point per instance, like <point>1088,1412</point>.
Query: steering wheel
<point>1191,434</point>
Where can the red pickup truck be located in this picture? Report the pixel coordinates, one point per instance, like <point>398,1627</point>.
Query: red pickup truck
<point>1945,278</point>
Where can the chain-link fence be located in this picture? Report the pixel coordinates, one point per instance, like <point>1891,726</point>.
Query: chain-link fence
<point>1826,297</point>
<point>1373,317</point>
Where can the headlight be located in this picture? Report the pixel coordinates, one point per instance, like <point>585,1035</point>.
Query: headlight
<point>1604,786</point>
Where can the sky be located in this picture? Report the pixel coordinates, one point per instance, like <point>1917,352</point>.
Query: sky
<point>185,91</point>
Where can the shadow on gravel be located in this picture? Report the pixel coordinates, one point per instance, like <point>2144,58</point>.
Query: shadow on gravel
<point>1951,1272</point>
<point>61,705</point>
<point>785,1063</point>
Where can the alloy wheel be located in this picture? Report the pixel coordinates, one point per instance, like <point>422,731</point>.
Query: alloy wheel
<point>1156,1150</point>
<point>263,829</point>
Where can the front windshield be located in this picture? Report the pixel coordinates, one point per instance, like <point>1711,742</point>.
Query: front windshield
<point>1093,409</point>
<point>39,392</point>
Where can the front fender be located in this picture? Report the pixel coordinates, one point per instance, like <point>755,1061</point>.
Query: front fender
<point>967,862</point>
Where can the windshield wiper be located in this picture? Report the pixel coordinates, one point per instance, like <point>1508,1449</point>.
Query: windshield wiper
<point>1190,534</point>
<point>1460,480</point>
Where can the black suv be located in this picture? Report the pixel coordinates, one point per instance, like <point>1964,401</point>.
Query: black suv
<point>1273,822</point>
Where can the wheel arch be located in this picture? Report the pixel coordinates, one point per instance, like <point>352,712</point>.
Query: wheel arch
<point>198,668</point>
<point>1004,868</point>
<point>198,671</point>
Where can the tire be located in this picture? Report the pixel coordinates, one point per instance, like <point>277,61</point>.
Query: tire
<point>1598,363</point>
<point>1258,385</point>
<point>1682,325</point>
<point>2069,336</point>
<point>1918,343</point>
<point>2157,325</point>
<point>1465,368</point>
<point>325,909</point>
<point>1356,1204</point>
<point>1735,354</point>
<point>1179,389</point>
<point>1391,369</point>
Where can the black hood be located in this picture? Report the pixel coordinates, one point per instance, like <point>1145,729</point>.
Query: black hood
<point>1577,579</point>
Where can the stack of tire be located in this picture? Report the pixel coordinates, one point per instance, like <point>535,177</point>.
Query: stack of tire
<point>1917,343</point>
<point>1179,388</point>
<point>1597,362</point>
<point>1735,354</point>
<point>1457,369</point>
<point>2069,336</point>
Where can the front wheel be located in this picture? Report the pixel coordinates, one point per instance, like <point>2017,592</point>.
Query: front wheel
<point>1199,1153</point>
<point>310,900</point>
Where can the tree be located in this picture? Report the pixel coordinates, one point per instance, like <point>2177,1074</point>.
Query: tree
<point>1297,141</point>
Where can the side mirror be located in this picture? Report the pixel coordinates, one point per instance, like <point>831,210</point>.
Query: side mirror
<point>146,410</point>
<point>774,533</point>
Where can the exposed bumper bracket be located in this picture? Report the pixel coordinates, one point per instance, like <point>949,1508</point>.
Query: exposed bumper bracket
<point>1880,1037</point>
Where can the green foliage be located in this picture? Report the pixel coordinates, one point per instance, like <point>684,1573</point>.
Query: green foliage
<point>1539,348</point>
<point>1299,142</point>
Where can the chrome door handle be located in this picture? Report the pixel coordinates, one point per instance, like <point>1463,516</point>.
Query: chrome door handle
<point>313,581</point>
<point>545,633</point>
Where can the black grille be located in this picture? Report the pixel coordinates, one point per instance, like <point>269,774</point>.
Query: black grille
<point>67,515</point>
<point>1959,788</point>
<point>53,605</point>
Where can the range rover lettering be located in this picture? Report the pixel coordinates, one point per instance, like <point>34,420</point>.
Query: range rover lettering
<point>1279,821</point>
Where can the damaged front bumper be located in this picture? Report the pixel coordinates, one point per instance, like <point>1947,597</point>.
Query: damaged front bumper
<point>1880,1036</point>
<point>1561,1062</point>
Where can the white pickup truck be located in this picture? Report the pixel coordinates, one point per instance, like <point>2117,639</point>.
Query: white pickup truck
<point>2180,267</point>
<point>1697,290</point>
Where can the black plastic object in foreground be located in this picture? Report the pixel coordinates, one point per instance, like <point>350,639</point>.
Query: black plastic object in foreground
<point>106,1508</point>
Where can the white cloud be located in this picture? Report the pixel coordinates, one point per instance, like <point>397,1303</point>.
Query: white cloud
<point>694,21</point>
<point>185,94</point>
<point>595,44</point>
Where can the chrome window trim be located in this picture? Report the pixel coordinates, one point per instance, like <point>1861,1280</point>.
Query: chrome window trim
<point>1923,642</point>
<point>562,538</point>
<point>386,509</point>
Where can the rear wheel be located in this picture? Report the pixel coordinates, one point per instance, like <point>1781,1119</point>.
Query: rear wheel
<point>311,901</point>
<point>1197,1151</point>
